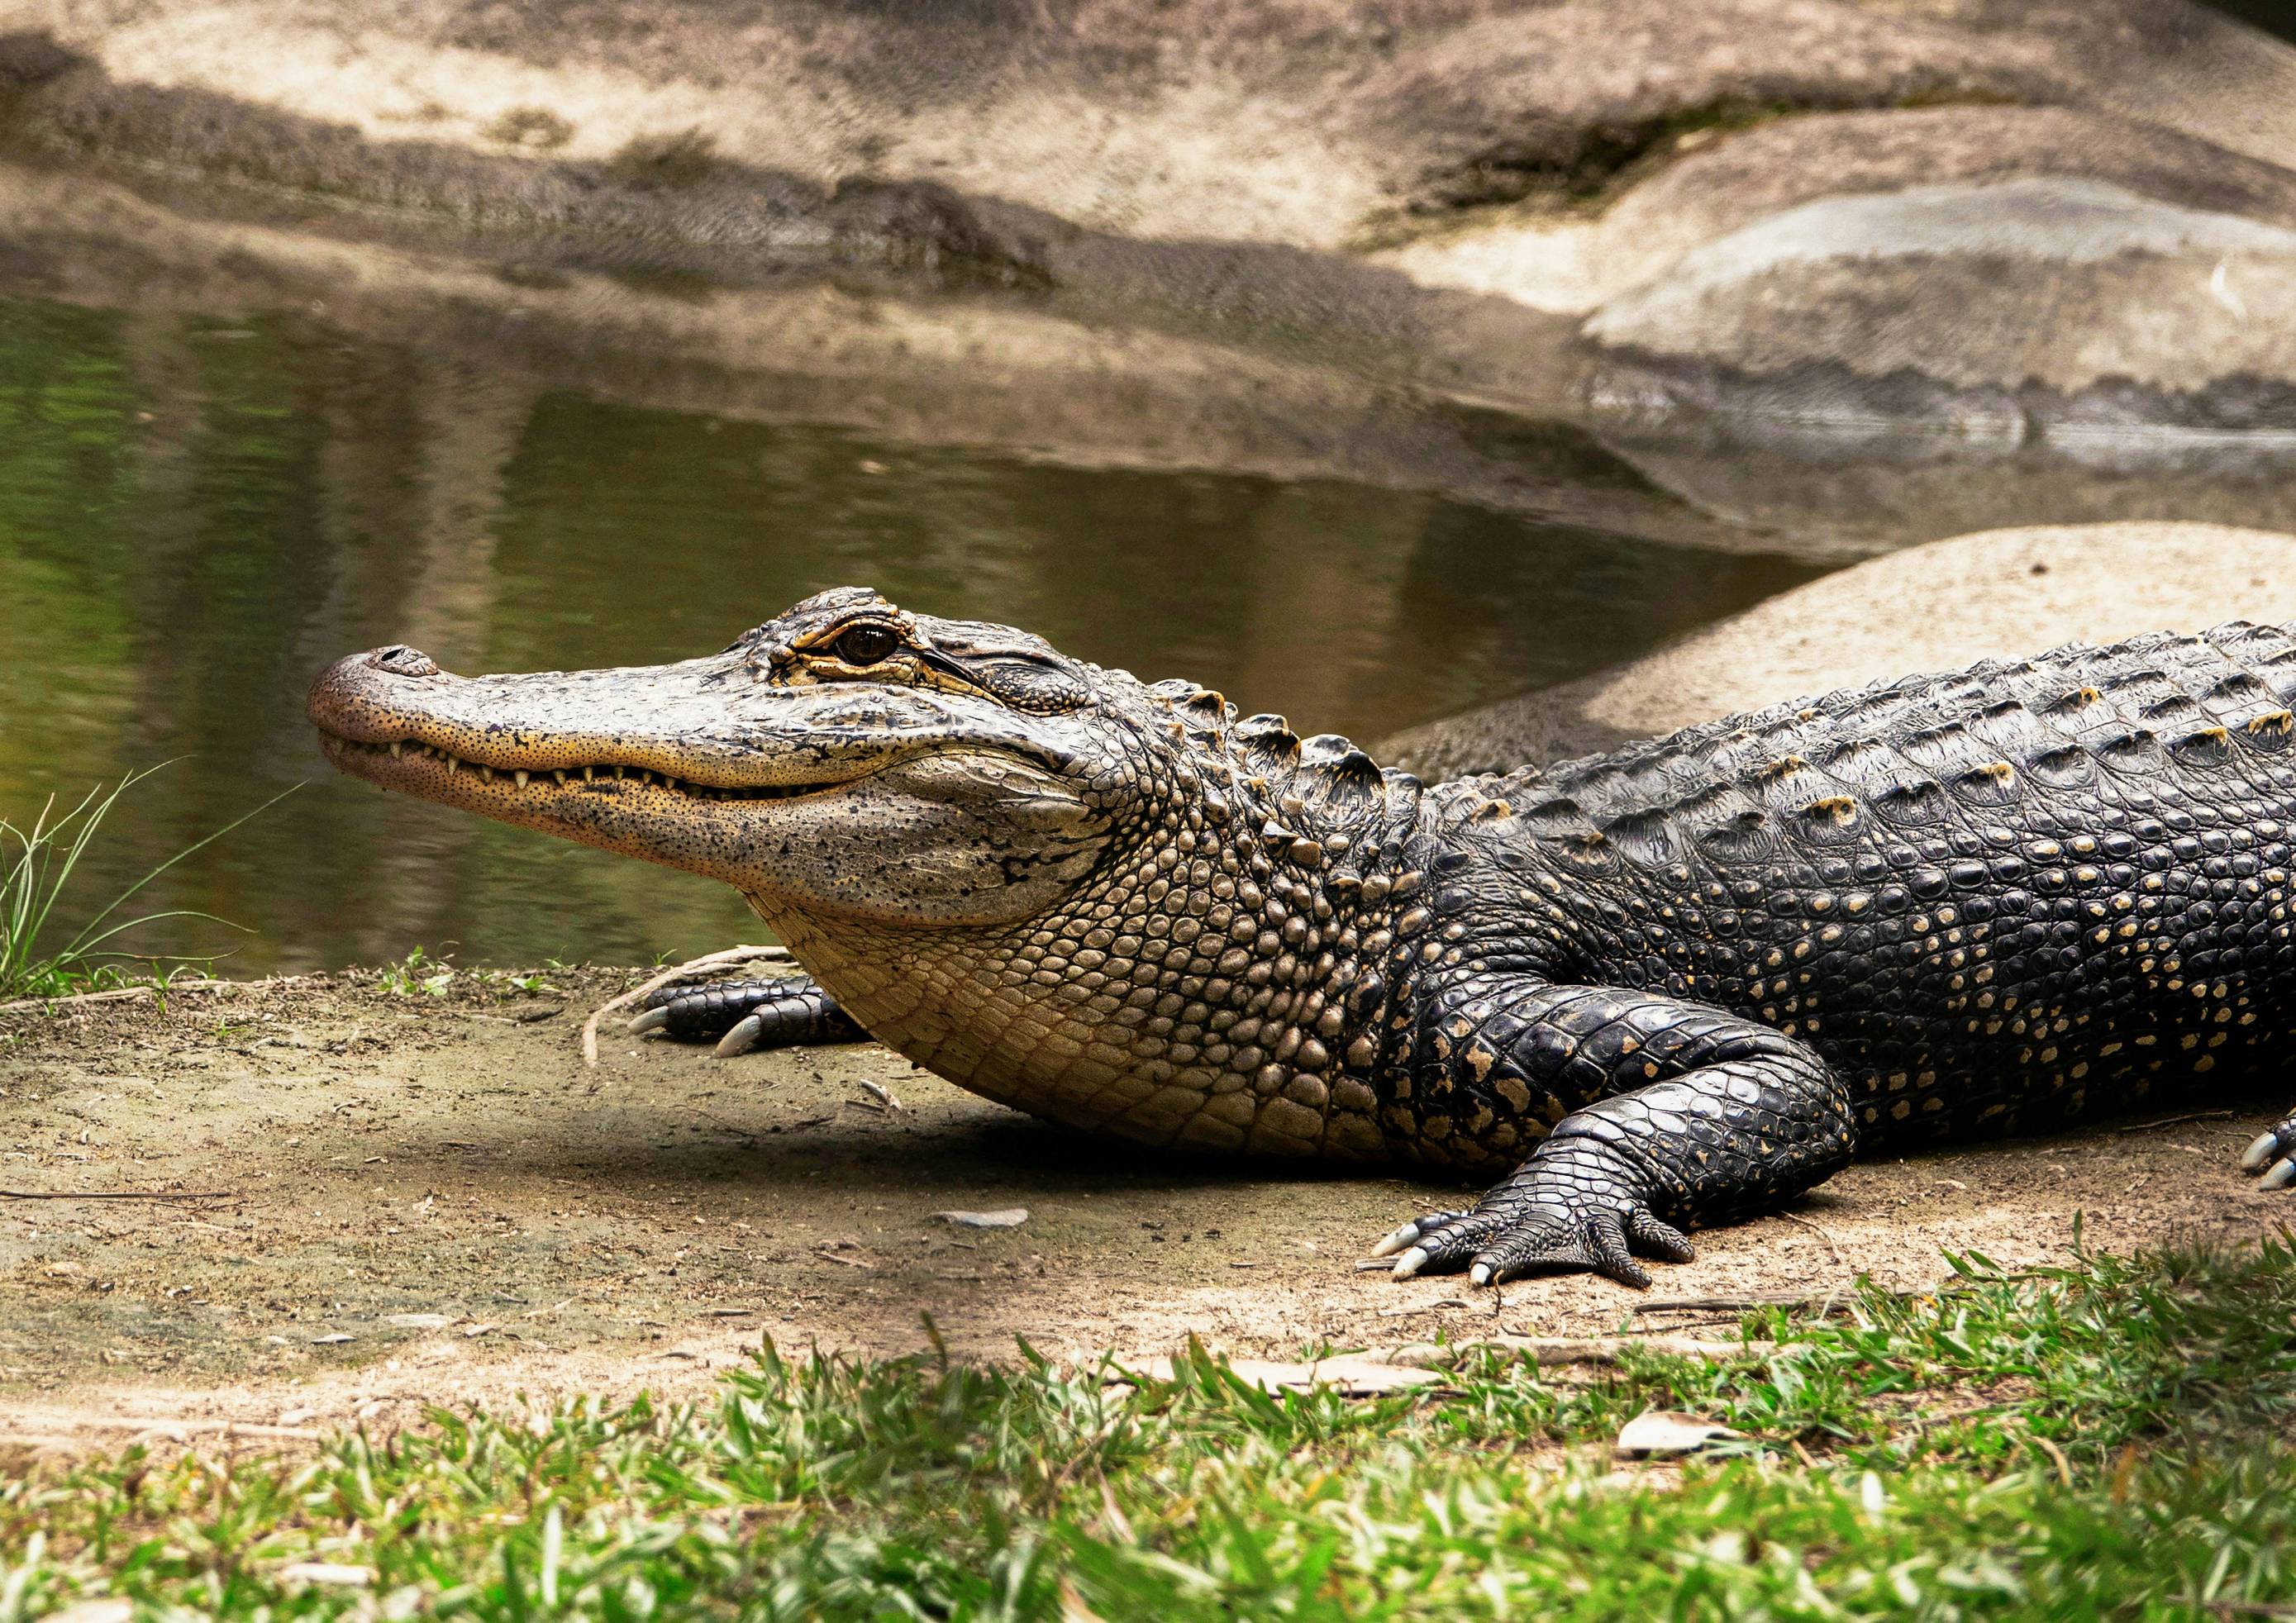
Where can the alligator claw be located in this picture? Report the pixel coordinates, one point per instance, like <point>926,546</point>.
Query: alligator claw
<point>1577,1207</point>
<point>742,1015</point>
<point>1602,1241</point>
<point>2275,1156</point>
<point>745,1035</point>
<point>1411,1232</point>
<point>1440,1241</point>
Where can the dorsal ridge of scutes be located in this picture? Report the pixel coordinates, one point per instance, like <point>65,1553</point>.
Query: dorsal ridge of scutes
<point>1325,783</point>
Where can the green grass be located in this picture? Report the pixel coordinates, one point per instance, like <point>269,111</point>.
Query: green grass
<point>2112,1438</point>
<point>36,864</point>
<point>425,974</point>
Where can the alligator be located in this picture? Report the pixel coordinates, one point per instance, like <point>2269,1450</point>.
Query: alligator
<point>1649,990</point>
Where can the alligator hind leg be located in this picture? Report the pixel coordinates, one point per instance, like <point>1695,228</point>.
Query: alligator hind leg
<point>1686,1114</point>
<point>788,1011</point>
<point>2275,1156</point>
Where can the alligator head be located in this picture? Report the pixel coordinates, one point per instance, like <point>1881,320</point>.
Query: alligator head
<point>847,761</point>
<point>998,859</point>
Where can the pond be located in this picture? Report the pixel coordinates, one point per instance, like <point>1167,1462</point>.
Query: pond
<point>198,512</point>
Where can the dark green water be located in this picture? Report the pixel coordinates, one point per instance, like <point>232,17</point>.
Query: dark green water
<point>197,514</point>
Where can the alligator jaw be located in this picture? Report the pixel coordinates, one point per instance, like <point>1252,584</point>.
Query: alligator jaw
<point>586,754</point>
<point>411,766</point>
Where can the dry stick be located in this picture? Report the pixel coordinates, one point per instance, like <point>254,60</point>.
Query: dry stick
<point>146,1422</point>
<point>115,1194</point>
<point>1580,1349</point>
<point>2171,1121</point>
<point>2056,1456</point>
<point>1746,1304</point>
<point>1814,1229</point>
<point>116,994</point>
<point>707,961</point>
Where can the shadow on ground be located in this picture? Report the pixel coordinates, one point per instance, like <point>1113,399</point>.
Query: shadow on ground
<point>381,1201</point>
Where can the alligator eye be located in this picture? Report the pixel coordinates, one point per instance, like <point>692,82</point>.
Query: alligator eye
<point>865,644</point>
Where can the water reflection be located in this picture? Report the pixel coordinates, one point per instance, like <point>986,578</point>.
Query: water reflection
<point>197,513</point>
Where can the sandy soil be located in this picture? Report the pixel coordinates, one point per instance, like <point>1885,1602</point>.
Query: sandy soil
<point>381,1201</point>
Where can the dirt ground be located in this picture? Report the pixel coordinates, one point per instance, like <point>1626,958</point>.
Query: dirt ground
<point>380,1199</point>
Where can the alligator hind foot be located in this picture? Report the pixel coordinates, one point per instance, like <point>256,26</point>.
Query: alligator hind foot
<point>788,1011</point>
<point>2275,1156</point>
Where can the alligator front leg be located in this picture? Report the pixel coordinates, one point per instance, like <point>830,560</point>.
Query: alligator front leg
<point>2275,1156</point>
<point>1679,1113</point>
<point>788,1011</point>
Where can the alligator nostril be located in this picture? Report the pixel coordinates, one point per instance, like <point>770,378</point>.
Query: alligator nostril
<point>401,660</point>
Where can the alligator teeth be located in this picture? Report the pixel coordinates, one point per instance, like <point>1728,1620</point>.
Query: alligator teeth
<point>524,778</point>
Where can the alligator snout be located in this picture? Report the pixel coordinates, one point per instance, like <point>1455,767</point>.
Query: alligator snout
<point>361,698</point>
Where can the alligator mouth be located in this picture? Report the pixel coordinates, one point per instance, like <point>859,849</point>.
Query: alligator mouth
<point>408,763</point>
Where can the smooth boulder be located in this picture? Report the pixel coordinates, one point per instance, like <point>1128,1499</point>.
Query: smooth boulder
<point>2045,304</point>
<point>1940,607</point>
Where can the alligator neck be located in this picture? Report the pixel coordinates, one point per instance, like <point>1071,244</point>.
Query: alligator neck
<point>1222,984</point>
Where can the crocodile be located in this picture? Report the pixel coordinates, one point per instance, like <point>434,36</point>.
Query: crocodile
<point>1666,987</point>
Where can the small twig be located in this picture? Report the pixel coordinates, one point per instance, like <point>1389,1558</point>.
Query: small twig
<point>1546,1350</point>
<point>2252,1609</point>
<point>1821,1302</point>
<point>2171,1121</point>
<point>115,1194</point>
<point>1812,1228</point>
<point>2056,1456</point>
<point>117,994</point>
<point>707,961</point>
<point>884,1096</point>
<point>145,1422</point>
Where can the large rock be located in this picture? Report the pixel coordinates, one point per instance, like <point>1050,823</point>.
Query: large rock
<point>1938,607</point>
<point>1716,182</point>
<point>2012,273</point>
<point>1303,122</point>
<point>1565,97</point>
<point>2041,305</point>
<point>1760,202</point>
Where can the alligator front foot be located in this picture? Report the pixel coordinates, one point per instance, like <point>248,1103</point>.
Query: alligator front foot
<point>2275,1156</point>
<point>788,1011</point>
<point>1576,1205</point>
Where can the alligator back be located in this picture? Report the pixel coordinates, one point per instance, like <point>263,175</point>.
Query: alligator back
<point>1994,899</point>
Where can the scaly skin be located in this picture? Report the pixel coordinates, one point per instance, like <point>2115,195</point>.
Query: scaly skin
<point>1657,989</point>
